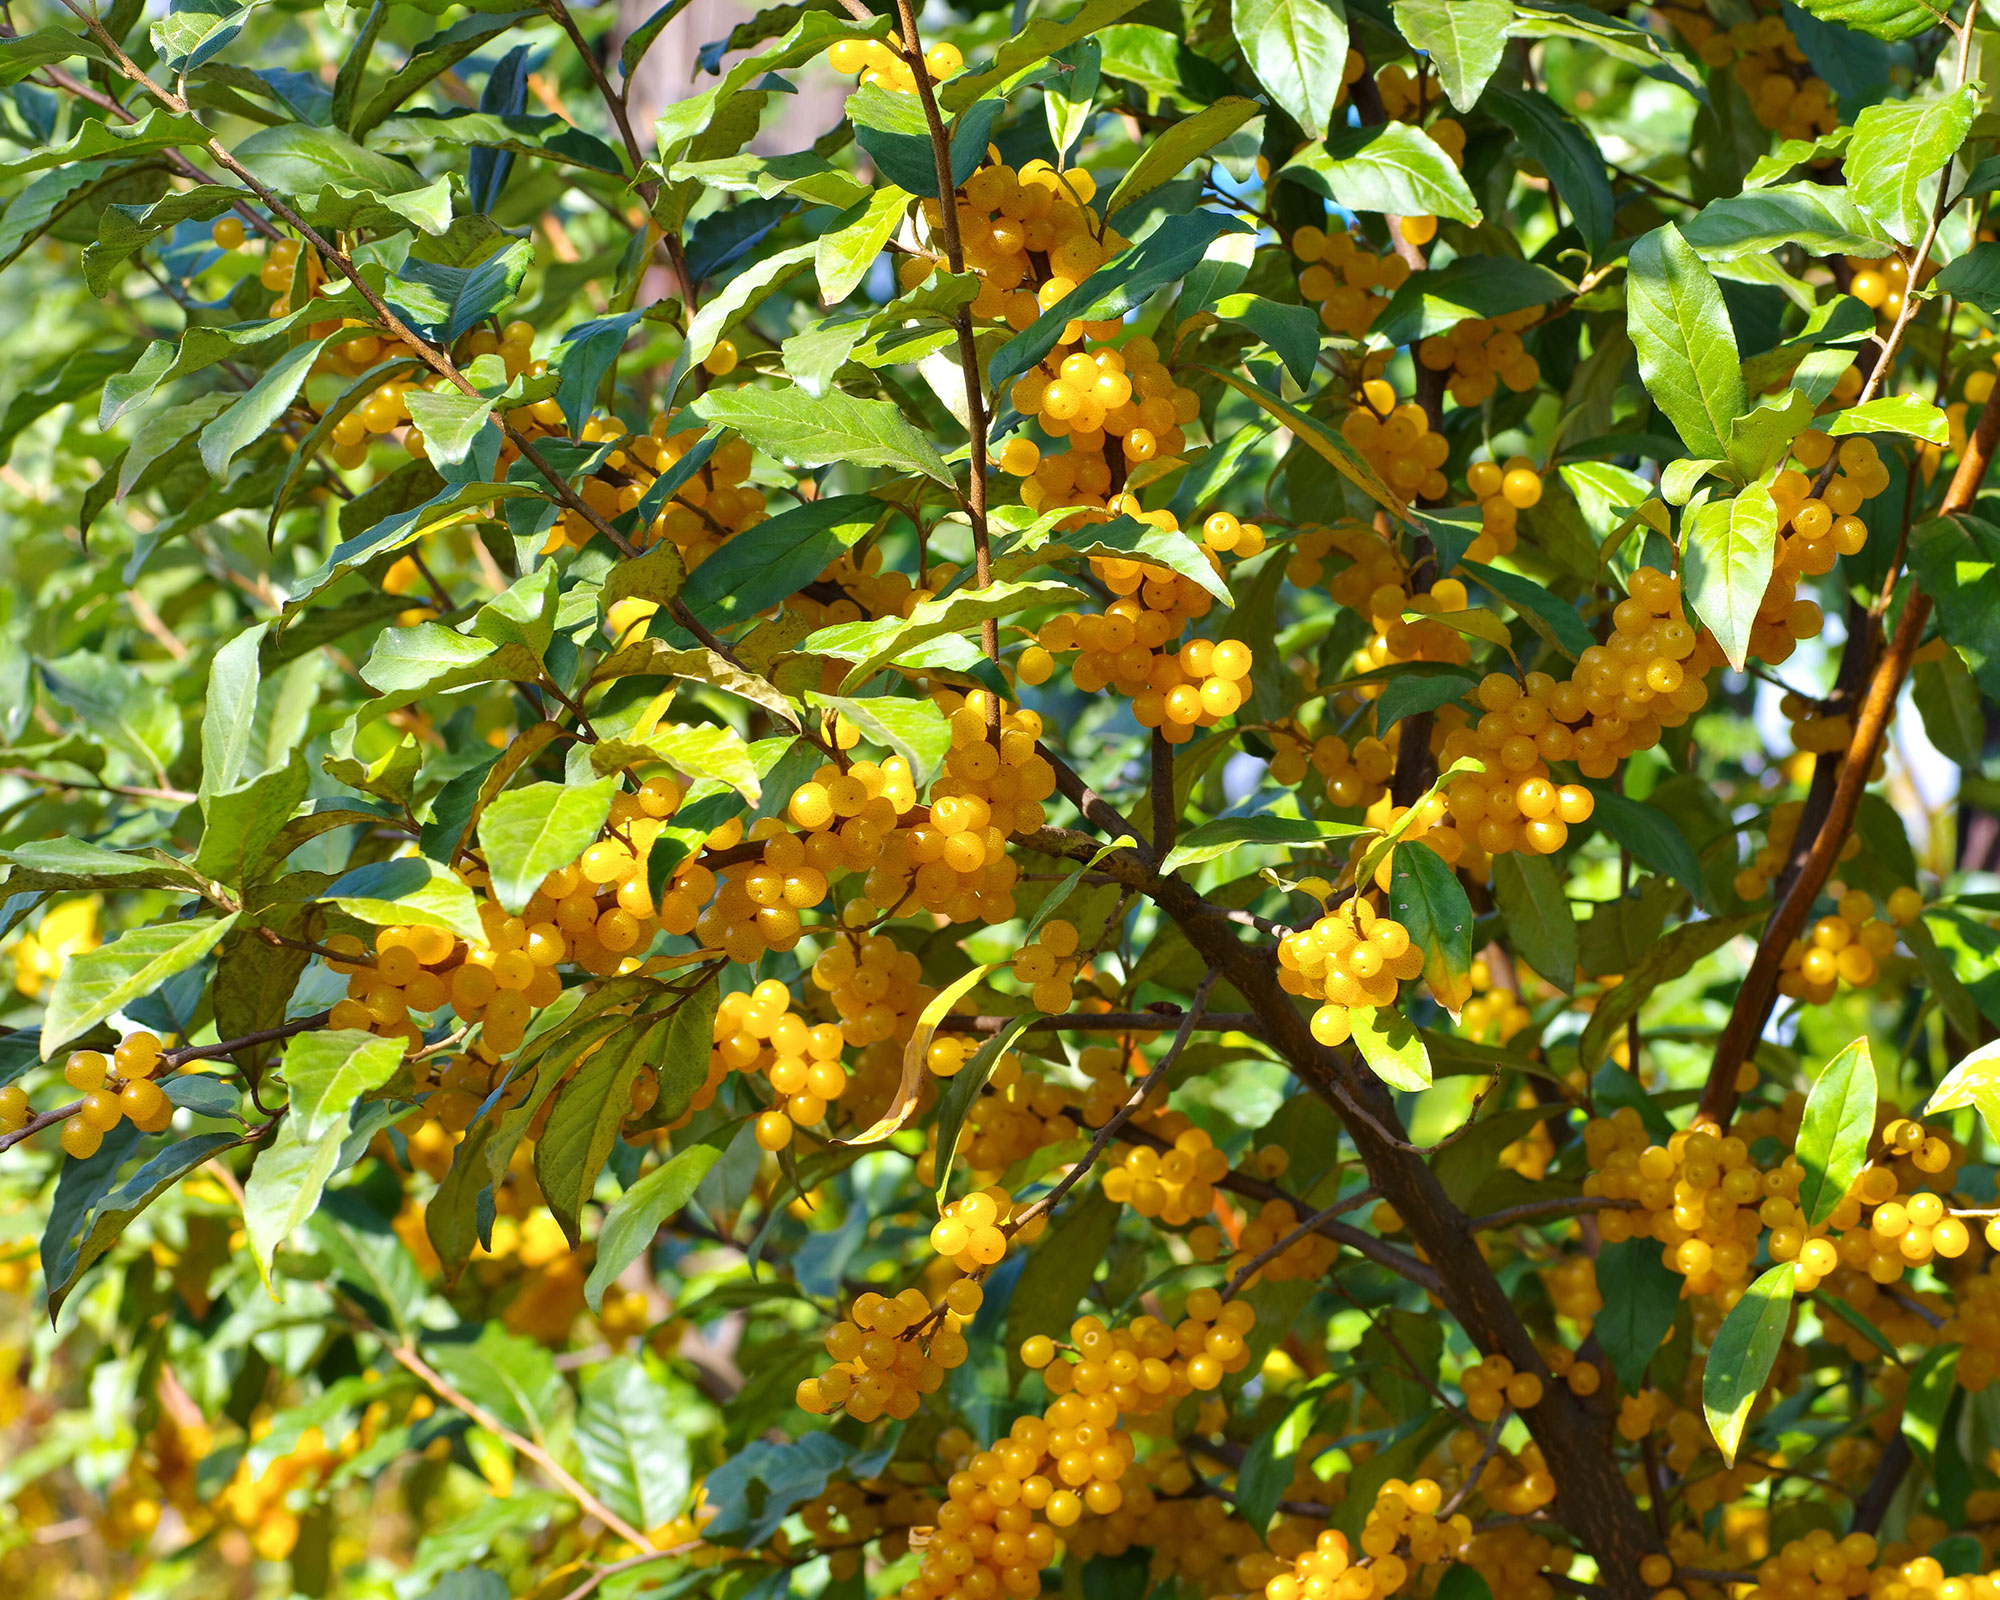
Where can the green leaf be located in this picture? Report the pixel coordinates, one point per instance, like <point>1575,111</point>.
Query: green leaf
<point>1427,898</point>
<point>428,658</point>
<point>1948,701</point>
<point>1465,40</point>
<point>239,825</point>
<point>229,713</point>
<point>526,833</point>
<point>1957,563</point>
<point>917,730</point>
<point>843,255</point>
<point>792,425</point>
<point>251,416</point>
<point>107,1220</point>
<point>1673,956</point>
<point>635,1217</point>
<point>1728,547</point>
<point>30,52</point>
<point>1409,694</point>
<point>1933,1384</point>
<point>1820,218</point>
<point>1392,167</point>
<point>284,1188</point>
<point>1838,1125</point>
<point>1687,349</point>
<point>1322,440</point>
<point>1127,280</point>
<point>1740,1360</point>
<point>683,1066</point>
<point>511,1376</point>
<point>1541,928</point>
<point>961,1093</point>
<point>154,132</point>
<point>1296,49</point>
<point>1392,1047</point>
<point>449,422</point>
<point>294,158</point>
<point>1894,413</point>
<point>1215,839</point>
<point>1897,146</point>
<point>585,1117</point>
<point>892,128</point>
<point>1292,331</point>
<point>433,58</point>
<point>1607,35</point>
<point>1974,278</point>
<point>1472,286</point>
<point>767,564</point>
<point>526,134</point>
<point>1652,836</point>
<point>1565,150</point>
<point>448,301</point>
<point>193,31</point>
<point>95,984</point>
<point>1641,1293</point>
<point>408,889</point>
<point>698,750</point>
<point>76,864</point>
<point>1124,537</point>
<point>873,645</point>
<point>1031,45</point>
<point>1551,616</point>
<point>1880,19</point>
<point>1168,153</point>
<point>738,298</point>
<point>634,1447</point>
<point>328,1070</point>
<point>1975,1081</point>
<point>1761,438</point>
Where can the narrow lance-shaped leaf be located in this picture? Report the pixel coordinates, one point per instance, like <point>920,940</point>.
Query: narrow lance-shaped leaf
<point>1740,1360</point>
<point>1687,349</point>
<point>1839,1122</point>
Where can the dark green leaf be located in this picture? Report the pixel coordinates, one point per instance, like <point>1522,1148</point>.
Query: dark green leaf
<point>1541,929</point>
<point>1641,1293</point>
<point>1427,898</point>
<point>1687,349</point>
<point>1565,150</point>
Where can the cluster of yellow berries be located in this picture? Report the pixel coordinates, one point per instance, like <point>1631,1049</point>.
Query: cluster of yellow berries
<point>1820,527</point>
<point>1837,1567</point>
<point>1402,1535</point>
<point>1481,353</point>
<point>759,1031</point>
<point>878,63</point>
<point>1048,964</point>
<point>888,1353</point>
<point>1880,285</point>
<point>1349,282</point>
<point>1007,217</point>
<point>1177,1185</point>
<point>1310,1255</point>
<point>718,501</point>
<point>1356,776</point>
<point>1379,585</point>
<point>972,1233</point>
<point>1353,958</point>
<point>1174,690</point>
<point>1846,947</point>
<point>115,1089</point>
<point>1503,489</point>
<point>1515,803</point>
<point>1091,398</point>
<point>1396,440</point>
<point>1147,1365</point>
<point>1769,66</point>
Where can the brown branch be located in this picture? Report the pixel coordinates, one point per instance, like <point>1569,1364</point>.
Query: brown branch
<point>1788,918</point>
